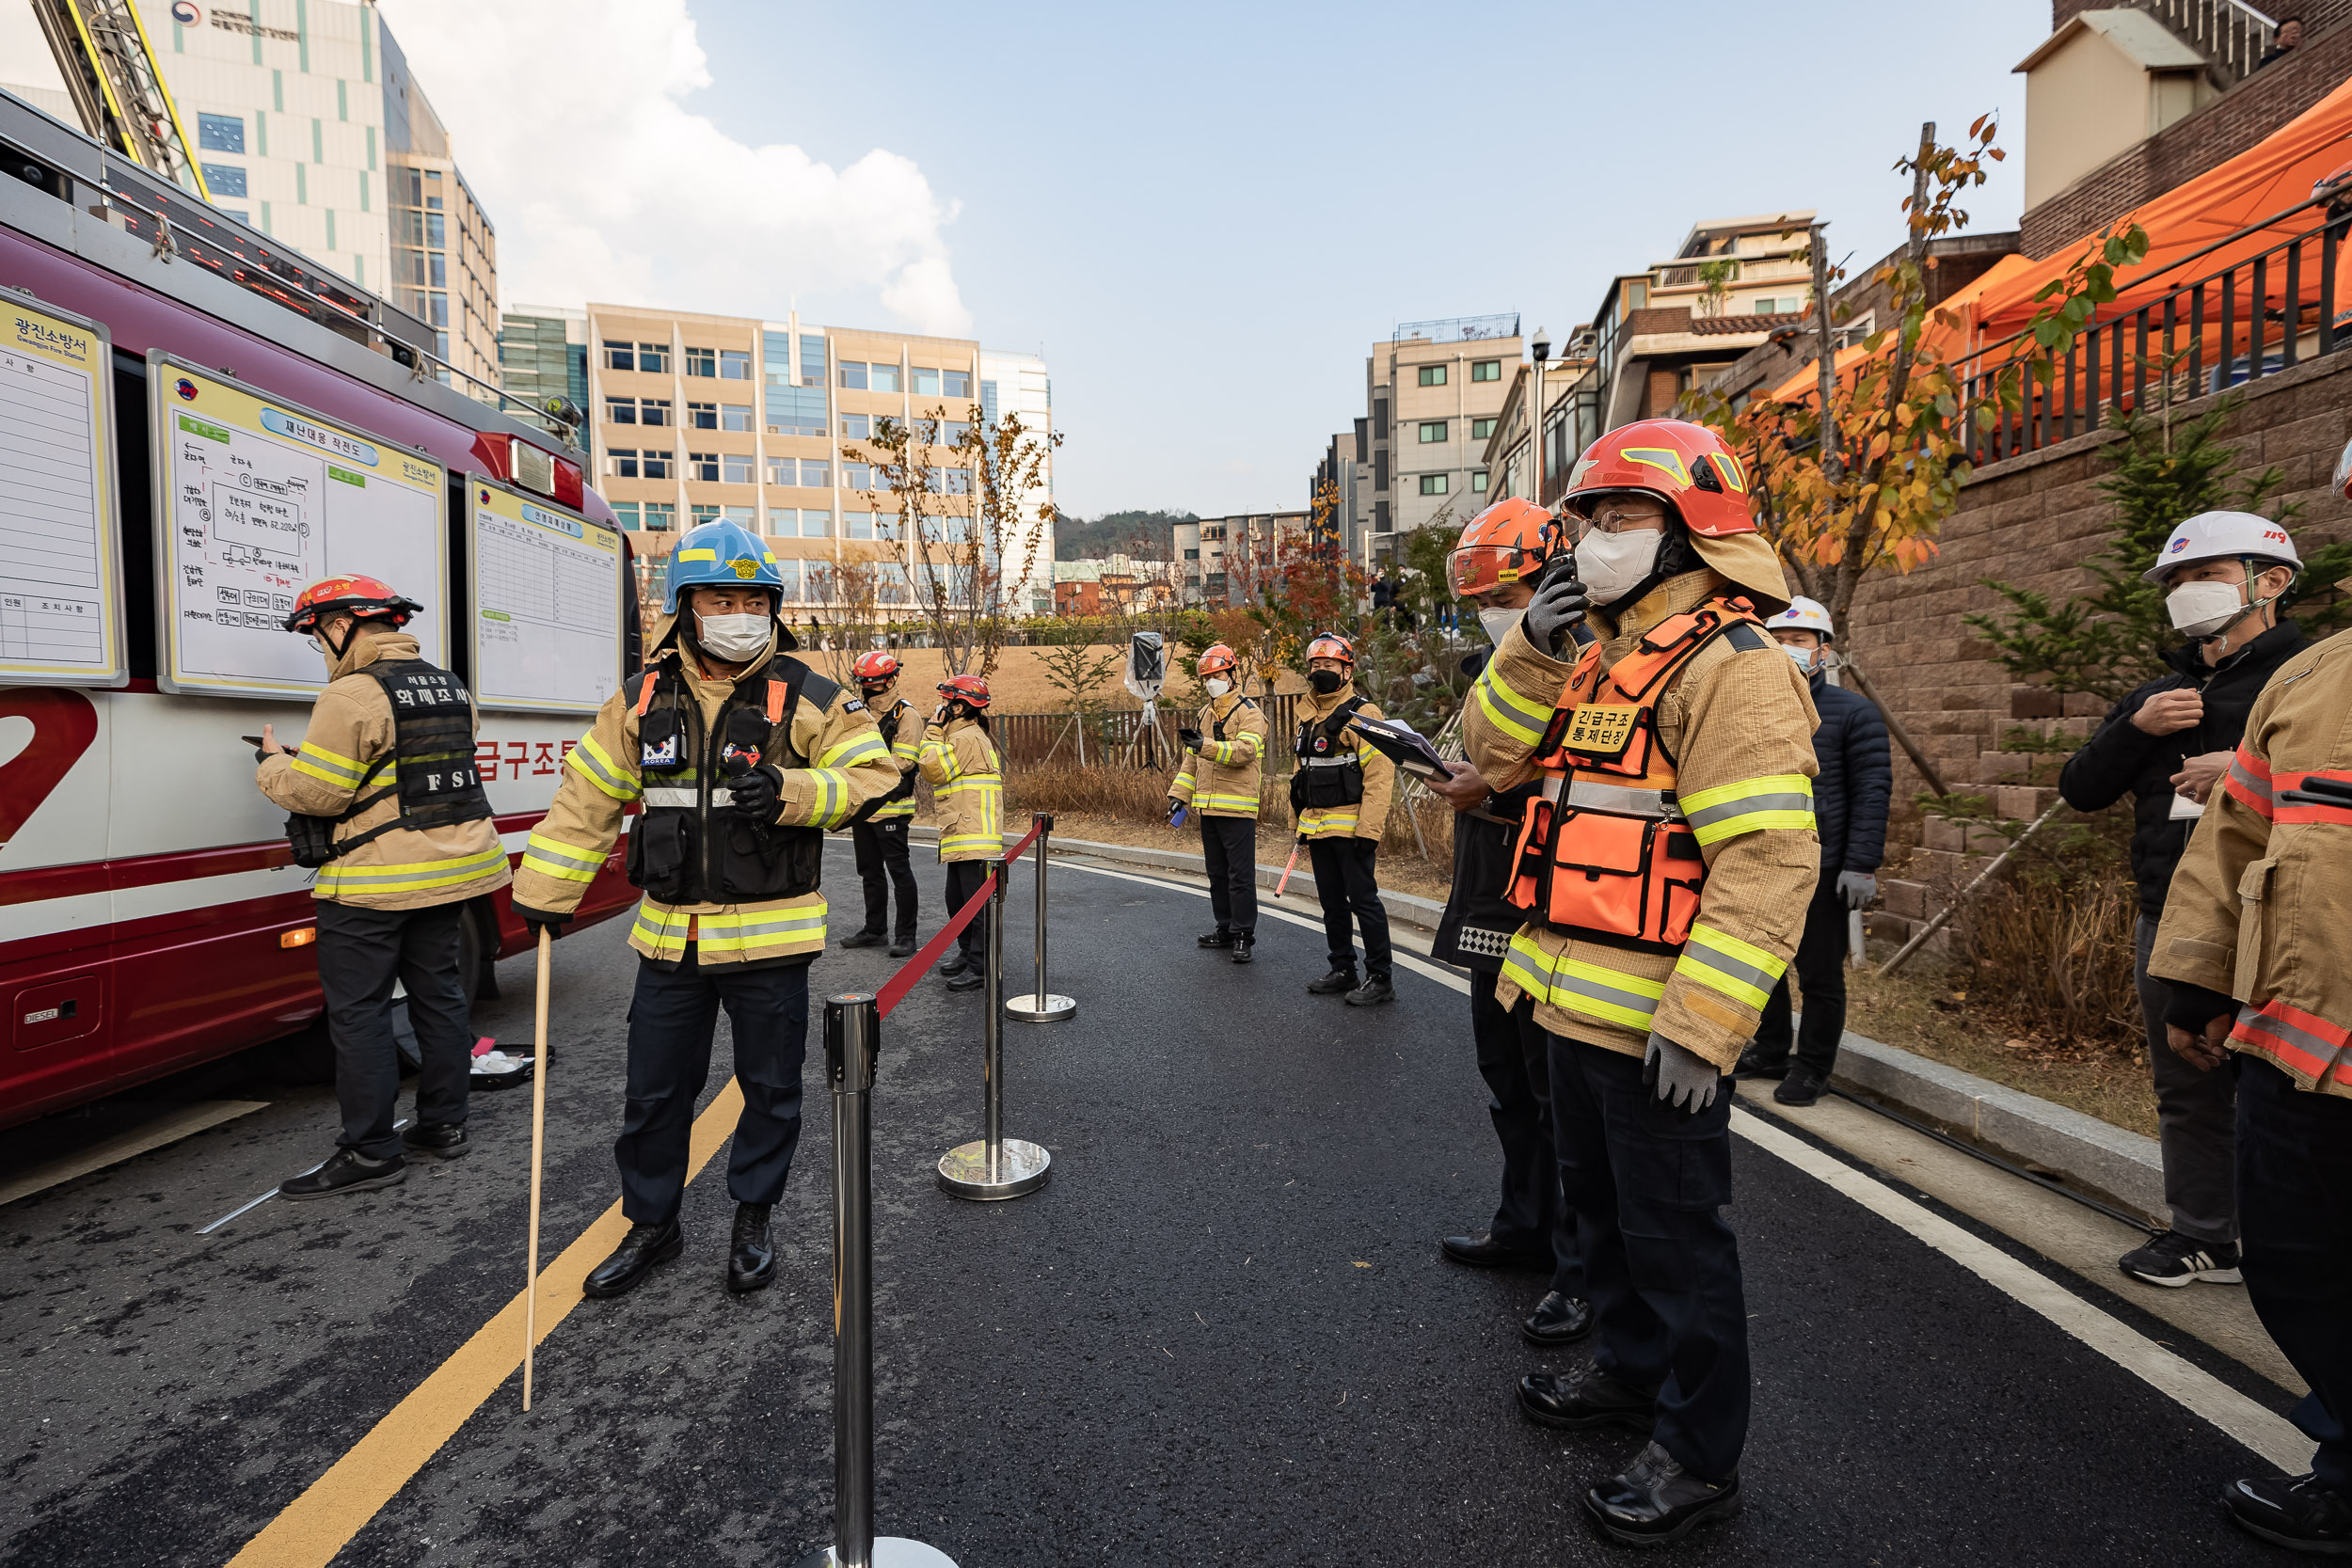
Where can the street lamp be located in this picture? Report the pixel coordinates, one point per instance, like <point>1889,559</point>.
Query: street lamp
<point>1541,349</point>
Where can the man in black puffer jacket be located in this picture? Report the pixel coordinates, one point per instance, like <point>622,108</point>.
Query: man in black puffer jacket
<point>1850,811</point>
<point>2166,745</point>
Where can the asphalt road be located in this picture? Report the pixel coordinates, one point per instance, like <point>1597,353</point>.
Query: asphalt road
<point>1222,1334</point>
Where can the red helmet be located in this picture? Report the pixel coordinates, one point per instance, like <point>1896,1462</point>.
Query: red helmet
<point>971,688</point>
<point>877,667</point>
<point>1330,645</point>
<point>1687,466</point>
<point>1218,660</point>
<point>366,599</point>
<point>1507,543</point>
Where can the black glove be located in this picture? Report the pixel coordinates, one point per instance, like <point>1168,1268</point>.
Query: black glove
<point>2193,1007</point>
<point>536,921</point>
<point>756,788</point>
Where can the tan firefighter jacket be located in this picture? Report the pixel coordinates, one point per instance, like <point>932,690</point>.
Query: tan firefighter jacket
<point>350,727</point>
<point>1369,817</point>
<point>848,766</point>
<point>1221,779</point>
<point>904,751</point>
<point>2262,903</point>
<point>1739,723</point>
<point>967,783</point>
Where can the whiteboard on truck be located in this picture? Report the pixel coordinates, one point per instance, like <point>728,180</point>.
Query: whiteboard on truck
<point>547,605</point>
<point>61,588</point>
<point>257,499</point>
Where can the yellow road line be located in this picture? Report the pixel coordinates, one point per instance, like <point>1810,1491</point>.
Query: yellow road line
<point>318,1524</point>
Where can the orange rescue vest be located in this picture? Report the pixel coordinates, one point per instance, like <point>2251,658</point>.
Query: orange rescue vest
<point>1604,851</point>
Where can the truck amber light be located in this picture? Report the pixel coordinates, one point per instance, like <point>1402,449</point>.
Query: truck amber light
<point>301,937</point>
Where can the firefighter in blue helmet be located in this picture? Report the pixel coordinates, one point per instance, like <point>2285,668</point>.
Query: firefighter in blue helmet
<point>741,757</point>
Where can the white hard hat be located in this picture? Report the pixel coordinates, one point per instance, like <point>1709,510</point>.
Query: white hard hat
<point>1804,614</point>
<point>2223,536</point>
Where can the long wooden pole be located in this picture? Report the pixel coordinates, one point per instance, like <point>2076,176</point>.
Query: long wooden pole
<point>538,1147</point>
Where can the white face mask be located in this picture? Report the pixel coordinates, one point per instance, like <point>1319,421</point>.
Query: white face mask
<point>1498,622</point>
<point>734,638</point>
<point>2204,608</point>
<point>1217,688</point>
<point>1611,564</point>
<point>1802,655</point>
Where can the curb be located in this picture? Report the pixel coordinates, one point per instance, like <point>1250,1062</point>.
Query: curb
<point>2087,1152</point>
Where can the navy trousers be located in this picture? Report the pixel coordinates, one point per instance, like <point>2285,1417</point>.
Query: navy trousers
<point>1348,886</point>
<point>1820,967</point>
<point>1514,1054</point>
<point>2295,1221</point>
<point>1661,1268</point>
<point>362,952</point>
<point>670,1023</point>
<point>882,847</point>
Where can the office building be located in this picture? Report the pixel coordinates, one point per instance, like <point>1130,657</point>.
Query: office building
<point>543,354</point>
<point>1432,391</point>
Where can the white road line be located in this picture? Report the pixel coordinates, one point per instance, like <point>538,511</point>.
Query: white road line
<point>272,1192</point>
<point>2260,1429</point>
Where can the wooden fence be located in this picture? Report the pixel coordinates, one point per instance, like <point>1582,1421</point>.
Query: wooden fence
<point>1118,739</point>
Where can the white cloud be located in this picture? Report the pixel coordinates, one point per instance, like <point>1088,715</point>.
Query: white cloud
<point>568,118</point>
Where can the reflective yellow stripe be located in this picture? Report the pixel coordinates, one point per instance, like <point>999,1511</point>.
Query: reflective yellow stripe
<point>416,876</point>
<point>598,769</point>
<point>552,857</point>
<point>835,803</point>
<point>1320,819</point>
<point>756,931</point>
<point>896,808</point>
<point>1227,803</point>
<point>1739,970</point>
<point>865,745</point>
<point>1611,995</point>
<point>1183,786</point>
<point>1749,805</point>
<point>327,767</point>
<point>1517,717</point>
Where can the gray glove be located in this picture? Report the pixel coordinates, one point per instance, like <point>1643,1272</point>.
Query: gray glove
<point>1857,888</point>
<point>1683,1079</point>
<point>1561,605</point>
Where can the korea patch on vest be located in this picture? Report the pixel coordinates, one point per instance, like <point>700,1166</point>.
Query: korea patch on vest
<point>1601,729</point>
<point>663,755</point>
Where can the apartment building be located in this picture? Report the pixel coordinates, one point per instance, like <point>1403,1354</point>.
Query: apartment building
<point>308,127</point>
<point>698,416</point>
<point>1222,562</point>
<point>1344,475</point>
<point>1433,392</point>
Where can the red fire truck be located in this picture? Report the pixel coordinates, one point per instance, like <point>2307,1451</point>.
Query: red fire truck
<point>151,916</point>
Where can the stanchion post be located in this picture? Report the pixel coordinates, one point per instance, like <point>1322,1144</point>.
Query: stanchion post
<point>993,1165</point>
<point>853,1041</point>
<point>1040,1006</point>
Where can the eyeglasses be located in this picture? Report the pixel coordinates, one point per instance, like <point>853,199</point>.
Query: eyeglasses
<point>1616,519</point>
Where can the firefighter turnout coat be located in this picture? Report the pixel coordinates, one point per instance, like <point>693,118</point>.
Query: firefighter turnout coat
<point>1734,722</point>
<point>1367,817</point>
<point>2262,901</point>
<point>1221,778</point>
<point>904,731</point>
<point>351,729</point>
<point>967,780</point>
<point>833,761</point>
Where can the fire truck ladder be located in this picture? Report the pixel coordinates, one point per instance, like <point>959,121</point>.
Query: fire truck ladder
<point>109,69</point>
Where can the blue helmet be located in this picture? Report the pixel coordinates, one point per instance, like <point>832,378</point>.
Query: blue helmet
<point>721,554</point>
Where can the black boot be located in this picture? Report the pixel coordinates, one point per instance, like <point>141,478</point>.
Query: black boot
<point>862,938</point>
<point>1338,982</point>
<point>1588,1398</point>
<point>953,964</point>
<point>752,1263</point>
<point>1375,990</point>
<point>1802,1087</point>
<point>2302,1514</point>
<point>1482,1251</point>
<point>1219,937</point>
<point>345,1172</point>
<point>1241,943</point>
<point>645,1247</point>
<point>1559,1320</point>
<point>1657,1501</point>
<point>1754,1063</point>
<point>444,1138</point>
<point>970,979</point>
<point>903,947</point>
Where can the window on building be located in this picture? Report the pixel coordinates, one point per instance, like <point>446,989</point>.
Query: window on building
<point>620,410</point>
<point>736,469</point>
<point>956,384</point>
<point>1485,369</point>
<point>816,525</point>
<point>654,411</point>
<point>702,466</point>
<point>952,431</point>
<point>1637,296</point>
<point>1192,554</point>
<point>702,416</point>
<point>624,463</point>
<point>660,514</point>
<point>1433,375</point>
<point>923,382</point>
<point>884,378</point>
<point>1432,430</point>
<point>857,427</point>
<point>219,134</point>
<point>657,465</point>
<point>856,476</point>
<point>624,512</point>
<point>857,525</point>
<point>701,361</point>
<point>741,515</point>
<point>736,416</point>
<point>1482,429</point>
<point>225,179</point>
<point>812,359</point>
<point>783,471</point>
<point>619,355</point>
<point>815,473</point>
<point>1433,484</point>
<point>952,481</point>
<point>1478,482</point>
<point>735,364</point>
<point>790,590</point>
<point>854,375</point>
<point>698,515</point>
<point>654,357</point>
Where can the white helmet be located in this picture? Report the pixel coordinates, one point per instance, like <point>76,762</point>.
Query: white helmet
<point>1804,614</point>
<point>2223,536</point>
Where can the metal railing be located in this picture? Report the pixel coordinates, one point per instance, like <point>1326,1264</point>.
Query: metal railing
<point>2260,315</point>
<point>2232,35</point>
<point>1458,329</point>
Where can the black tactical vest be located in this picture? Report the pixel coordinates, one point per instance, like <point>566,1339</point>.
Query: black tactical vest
<point>1328,772</point>
<point>436,778</point>
<point>692,846</point>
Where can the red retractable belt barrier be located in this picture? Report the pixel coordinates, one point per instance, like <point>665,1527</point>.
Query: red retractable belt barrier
<point>900,984</point>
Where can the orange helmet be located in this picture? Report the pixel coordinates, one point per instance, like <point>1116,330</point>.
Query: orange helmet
<point>877,667</point>
<point>970,689</point>
<point>1330,645</point>
<point>365,598</point>
<point>1687,466</point>
<point>1507,543</point>
<point>1218,660</point>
